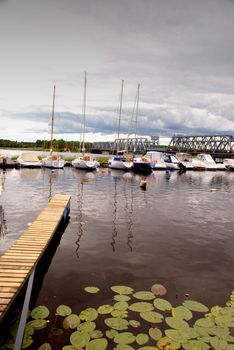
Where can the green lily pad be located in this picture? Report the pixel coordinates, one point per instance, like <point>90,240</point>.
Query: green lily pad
<point>134,323</point>
<point>123,347</point>
<point>70,347</point>
<point>177,335</point>
<point>40,312</point>
<point>152,316</point>
<point>147,348</point>
<point>122,289</point>
<point>162,304</point>
<point>195,306</point>
<point>155,333</point>
<point>182,312</point>
<point>89,314</point>
<point>141,306</point>
<point>38,324</point>
<point>45,346</point>
<point>97,344</point>
<point>196,344</point>
<point>27,341</point>
<point>117,323</point>
<point>63,310</point>
<point>124,338</point>
<point>224,321</point>
<point>176,323</point>
<point>121,297</point>
<point>79,339</point>
<point>158,289</point>
<point>71,322</point>
<point>111,333</point>
<point>28,330</point>
<point>119,313</point>
<point>121,305</point>
<point>96,334</point>
<point>218,344</point>
<point>92,290</point>
<point>87,327</point>
<point>54,331</point>
<point>144,295</point>
<point>105,309</point>
<point>142,338</point>
<point>204,322</point>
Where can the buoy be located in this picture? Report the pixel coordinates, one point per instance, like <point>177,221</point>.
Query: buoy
<point>103,171</point>
<point>143,184</point>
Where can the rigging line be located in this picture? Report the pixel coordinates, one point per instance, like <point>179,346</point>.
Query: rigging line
<point>132,117</point>
<point>52,123</point>
<point>84,115</point>
<point>120,112</point>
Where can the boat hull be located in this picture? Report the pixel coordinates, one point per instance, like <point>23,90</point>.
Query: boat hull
<point>120,164</point>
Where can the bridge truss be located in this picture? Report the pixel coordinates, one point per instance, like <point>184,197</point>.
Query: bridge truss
<point>139,144</point>
<point>214,144</point>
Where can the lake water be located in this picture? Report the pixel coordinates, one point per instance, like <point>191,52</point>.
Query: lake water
<point>179,232</point>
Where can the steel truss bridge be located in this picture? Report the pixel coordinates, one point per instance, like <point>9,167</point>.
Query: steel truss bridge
<point>218,145</point>
<point>139,144</point>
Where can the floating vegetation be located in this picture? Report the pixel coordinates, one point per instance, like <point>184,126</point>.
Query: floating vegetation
<point>191,326</point>
<point>92,290</point>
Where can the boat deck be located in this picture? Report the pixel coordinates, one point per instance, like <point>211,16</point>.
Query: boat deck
<point>17,263</point>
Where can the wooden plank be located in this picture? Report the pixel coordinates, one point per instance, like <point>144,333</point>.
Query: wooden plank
<point>6,295</point>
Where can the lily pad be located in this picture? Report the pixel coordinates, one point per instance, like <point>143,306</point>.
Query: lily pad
<point>196,344</point>
<point>147,348</point>
<point>218,344</point>
<point>141,306</point>
<point>111,333</point>
<point>40,312</point>
<point>117,323</point>
<point>96,334</point>
<point>121,305</point>
<point>158,289</point>
<point>45,346</point>
<point>92,290</point>
<point>195,306</point>
<point>142,338</point>
<point>27,341</point>
<point>70,347</point>
<point>122,289</point>
<point>121,297</point>
<point>204,322</point>
<point>176,323</point>
<point>144,295</point>
<point>37,324</point>
<point>124,338</point>
<point>97,344</point>
<point>152,316</point>
<point>182,312</point>
<point>105,309</point>
<point>177,335</point>
<point>29,330</point>
<point>71,322</point>
<point>118,313</point>
<point>89,314</point>
<point>155,333</point>
<point>87,327</point>
<point>123,347</point>
<point>79,339</point>
<point>134,323</point>
<point>162,304</point>
<point>63,310</point>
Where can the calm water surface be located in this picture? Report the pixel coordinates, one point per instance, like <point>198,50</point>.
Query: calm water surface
<point>179,232</point>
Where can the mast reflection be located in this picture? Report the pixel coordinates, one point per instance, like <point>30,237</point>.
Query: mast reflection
<point>3,225</point>
<point>80,221</point>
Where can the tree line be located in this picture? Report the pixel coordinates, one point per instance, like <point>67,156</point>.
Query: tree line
<point>58,145</point>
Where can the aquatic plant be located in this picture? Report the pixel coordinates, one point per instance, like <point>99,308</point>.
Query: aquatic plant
<point>190,326</point>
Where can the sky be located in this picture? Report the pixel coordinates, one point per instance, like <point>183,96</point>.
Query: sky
<point>181,52</point>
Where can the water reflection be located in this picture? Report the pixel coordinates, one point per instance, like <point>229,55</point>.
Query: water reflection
<point>80,222</point>
<point>3,225</point>
<point>129,213</point>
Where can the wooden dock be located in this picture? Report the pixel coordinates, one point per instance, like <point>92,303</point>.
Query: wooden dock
<point>18,262</point>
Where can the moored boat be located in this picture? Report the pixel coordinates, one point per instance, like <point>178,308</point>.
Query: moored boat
<point>142,165</point>
<point>156,160</point>
<point>172,163</point>
<point>185,159</point>
<point>29,160</point>
<point>85,162</point>
<point>229,164</point>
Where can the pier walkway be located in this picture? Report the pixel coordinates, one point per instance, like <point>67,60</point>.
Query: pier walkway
<point>17,263</point>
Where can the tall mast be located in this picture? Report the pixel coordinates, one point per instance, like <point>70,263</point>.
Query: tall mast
<point>52,123</point>
<point>84,112</point>
<point>137,107</point>
<point>120,112</point>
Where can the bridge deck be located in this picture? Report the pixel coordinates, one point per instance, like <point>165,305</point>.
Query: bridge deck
<point>17,263</point>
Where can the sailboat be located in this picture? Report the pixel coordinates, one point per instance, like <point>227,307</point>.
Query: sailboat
<point>118,161</point>
<point>140,164</point>
<point>85,161</point>
<point>53,160</point>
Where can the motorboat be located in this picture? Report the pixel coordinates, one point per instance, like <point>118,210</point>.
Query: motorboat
<point>185,159</point>
<point>142,165</point>
<point>156,160</point>
<point>85,162</point>
<point>229,164</point>
<point>207,161</point>
<point>29,160</point>
<point>172,163</point>
<point>7,162</point>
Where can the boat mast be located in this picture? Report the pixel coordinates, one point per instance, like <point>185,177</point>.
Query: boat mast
<point>84,112</point>
<point>52,123</point>
<point>120,112</point>
<point>137,107</point>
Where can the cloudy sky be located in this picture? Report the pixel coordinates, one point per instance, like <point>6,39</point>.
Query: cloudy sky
<point>181,52</point>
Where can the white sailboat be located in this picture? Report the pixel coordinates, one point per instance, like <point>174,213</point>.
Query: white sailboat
<point>84,161</point>
<point>120,162</point>
<point>53,161</point>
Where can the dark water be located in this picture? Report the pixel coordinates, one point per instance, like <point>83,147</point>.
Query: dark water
<point>179,232</point>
